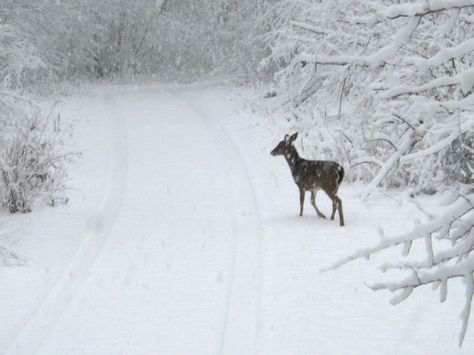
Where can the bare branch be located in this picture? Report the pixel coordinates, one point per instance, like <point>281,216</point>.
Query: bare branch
<point>308,27</point>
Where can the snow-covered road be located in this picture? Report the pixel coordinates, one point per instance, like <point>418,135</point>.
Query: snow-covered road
<point>191,244</point>
<point>176,238</point>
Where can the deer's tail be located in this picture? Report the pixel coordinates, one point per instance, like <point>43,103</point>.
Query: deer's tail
<point>340,171</point>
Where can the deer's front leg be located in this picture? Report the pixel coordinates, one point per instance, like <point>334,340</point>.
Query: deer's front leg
<point>313,202</point>
<point>301,201</point>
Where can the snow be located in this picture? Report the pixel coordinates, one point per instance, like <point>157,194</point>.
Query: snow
<point>443,55</point>
<point>183,237</point>
<point>441,143</point>
<point>449,25</point>
<point>465,79</point>
<point>403,146</point>
<point>374,60</point>
<point>390,50</point>
<point>411,9</point>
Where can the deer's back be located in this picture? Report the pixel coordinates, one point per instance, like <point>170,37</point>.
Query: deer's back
<point>317,174</point>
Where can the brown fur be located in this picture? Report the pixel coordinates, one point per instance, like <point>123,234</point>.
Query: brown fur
<point>313,175</point>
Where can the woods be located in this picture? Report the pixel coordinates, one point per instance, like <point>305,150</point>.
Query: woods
<point>398,77</point>
<point>113,39</point>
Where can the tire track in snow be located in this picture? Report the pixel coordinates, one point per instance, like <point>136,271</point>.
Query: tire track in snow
<point>241,324</point>
<point>29,335</point>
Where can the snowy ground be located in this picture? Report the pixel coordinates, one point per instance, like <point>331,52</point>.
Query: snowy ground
<point>183,237</point>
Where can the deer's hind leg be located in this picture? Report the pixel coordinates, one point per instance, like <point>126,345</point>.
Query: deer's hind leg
<point>313,202</point>
<point>336,205</point>
<point>339,208</point>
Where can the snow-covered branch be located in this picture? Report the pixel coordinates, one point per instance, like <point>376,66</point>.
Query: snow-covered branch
<point>456,226</point>
<point>405,145</point>
<point>442,142</point>
<point>309,27</point>
<point>443,55</point>
<point>375,59</point>
<point>415,9</point>
<point>464,79</point>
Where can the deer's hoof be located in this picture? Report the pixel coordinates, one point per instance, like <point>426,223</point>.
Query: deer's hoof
<point>321,216</point>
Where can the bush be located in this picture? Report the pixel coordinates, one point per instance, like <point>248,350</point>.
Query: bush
<point>32,165</point>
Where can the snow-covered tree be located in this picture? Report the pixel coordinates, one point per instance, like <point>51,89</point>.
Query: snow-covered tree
<point>397,78</point>
<point>400,71</point>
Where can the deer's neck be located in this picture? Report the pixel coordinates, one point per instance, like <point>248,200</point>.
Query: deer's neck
<point>292,158</point>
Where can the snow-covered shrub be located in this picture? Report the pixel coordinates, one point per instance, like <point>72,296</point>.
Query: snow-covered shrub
<point>32,166</point>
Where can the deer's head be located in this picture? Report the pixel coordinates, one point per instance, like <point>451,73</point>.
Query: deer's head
<point>285,145</point>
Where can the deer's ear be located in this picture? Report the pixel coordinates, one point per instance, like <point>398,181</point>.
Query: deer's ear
<point>293,137</point>
<point>287,138</point>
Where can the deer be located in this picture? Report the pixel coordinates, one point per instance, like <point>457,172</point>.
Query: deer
<point>313,175</point>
